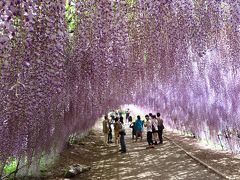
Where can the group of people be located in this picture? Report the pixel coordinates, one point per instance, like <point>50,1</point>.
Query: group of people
<point>153,124</point>
<point>119,131</point>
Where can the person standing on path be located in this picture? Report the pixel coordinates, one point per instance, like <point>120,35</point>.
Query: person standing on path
<point>122,134</point>
<point>138,126</point>
<point>127,115</point>
<point>133,129</point>
<point>160,128</point>
<point>148,125</point>
<point>110,131</point>
<point>150,116</point>
<point>116,131</point>
<point>105,129</point>
<point>130,119</point>
<point>155,129</point>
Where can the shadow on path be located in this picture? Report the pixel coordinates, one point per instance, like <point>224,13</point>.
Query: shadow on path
<point>164,162</point>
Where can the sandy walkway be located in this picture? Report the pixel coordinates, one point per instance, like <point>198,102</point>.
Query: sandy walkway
<point>166,162</point>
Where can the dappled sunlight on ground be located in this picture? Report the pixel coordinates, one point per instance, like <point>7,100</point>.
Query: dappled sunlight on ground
<point>163,162</point>
<point>168,161</point>
<point>224,161</point>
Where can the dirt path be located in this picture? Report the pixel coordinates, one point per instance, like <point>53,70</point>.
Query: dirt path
<point>223,161</point>
<point>166,162</point>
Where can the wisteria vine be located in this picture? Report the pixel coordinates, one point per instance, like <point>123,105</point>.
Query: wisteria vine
<point>181,58</point>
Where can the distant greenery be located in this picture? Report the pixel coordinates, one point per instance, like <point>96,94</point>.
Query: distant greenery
<point>70,15</point>
<point>10,167</point>
<point>131,2</point>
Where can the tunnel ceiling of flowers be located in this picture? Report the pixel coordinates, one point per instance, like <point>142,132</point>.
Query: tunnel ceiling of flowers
<point>65,63</point>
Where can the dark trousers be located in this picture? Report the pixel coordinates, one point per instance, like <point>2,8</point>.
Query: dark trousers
<point>110,136</point>
<point>122,143</point>
<point>160,132</point>
<point>149,138</point>
<point>133,134</point>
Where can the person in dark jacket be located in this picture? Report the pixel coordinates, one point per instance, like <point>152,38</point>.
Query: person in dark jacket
<point>110,131</point>
<point>160,128</point>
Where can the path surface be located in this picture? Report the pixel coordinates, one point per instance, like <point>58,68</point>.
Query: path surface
<point>164,162</point>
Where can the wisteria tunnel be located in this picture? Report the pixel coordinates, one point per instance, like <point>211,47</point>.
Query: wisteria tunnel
<point>63,64</point>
